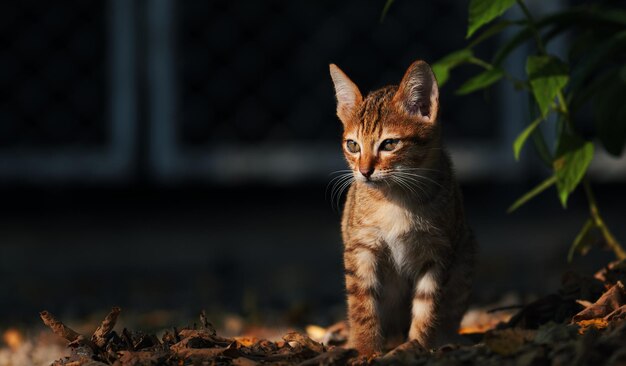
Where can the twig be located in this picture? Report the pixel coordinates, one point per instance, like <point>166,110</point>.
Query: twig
<point>620,253</point>
<point>336,356</point>
<point>600,224</point>
<point>502,308</point>
<point>59,328</point>
<point>101,334</point>
<point>206,324</point>
<point>304,341</point>
<point>408,353</point>
<point>532,26</point>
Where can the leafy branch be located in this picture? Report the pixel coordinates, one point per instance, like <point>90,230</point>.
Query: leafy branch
<point>593,72</point>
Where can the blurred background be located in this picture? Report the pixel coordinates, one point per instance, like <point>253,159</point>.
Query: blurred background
<point>171,156</point>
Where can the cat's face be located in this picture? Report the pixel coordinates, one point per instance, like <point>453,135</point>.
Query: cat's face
<point>392,134</point>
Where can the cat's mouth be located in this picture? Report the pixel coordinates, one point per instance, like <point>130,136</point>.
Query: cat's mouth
<point>374,179</point>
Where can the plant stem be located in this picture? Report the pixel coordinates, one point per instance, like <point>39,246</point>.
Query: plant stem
<point>533,27</point>
<point>565,110</point>
<point>620,253</point>
<point>598,221</point>
<point>563,104</point>
<point>487,66</point>
<point>476,61</point>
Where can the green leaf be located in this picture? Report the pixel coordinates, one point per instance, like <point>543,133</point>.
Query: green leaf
<point>482,12</point>
<point>442,68</point>
<point>511,44</point>
<point>580,17</point>
<point>547,76</point>
<point>583,240</point>
<point>585,17</point>
<point>383,14</point>
<point>542,148</point>
<point>490,32</point>
<point>539,141</point>
<point>577,97</point>
<point>521,139</point>
<point>599,53</point>
<point>481,81</point>
<point>535,191</point>
<point>570,165</point>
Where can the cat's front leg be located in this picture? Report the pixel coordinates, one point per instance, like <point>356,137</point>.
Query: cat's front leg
<point>362,285</point>
<point>424,306</point>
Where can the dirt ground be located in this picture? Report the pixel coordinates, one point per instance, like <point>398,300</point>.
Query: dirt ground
<point>583,323</point>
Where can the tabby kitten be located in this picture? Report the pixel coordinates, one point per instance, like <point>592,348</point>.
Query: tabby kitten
<point>408,251</point>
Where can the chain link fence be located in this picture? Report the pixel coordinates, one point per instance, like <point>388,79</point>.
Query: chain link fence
<point>224,91</point>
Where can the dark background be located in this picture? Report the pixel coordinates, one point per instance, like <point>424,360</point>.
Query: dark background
<point>175,155</point>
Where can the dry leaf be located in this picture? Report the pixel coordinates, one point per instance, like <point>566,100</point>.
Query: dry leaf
<point>587,324</point>
<point>304,341</point>
<point>508,341</point>
<point>610,301</point>
<point>246,341</point>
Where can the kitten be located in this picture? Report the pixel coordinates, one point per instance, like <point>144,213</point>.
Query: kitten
<point>408,251</point>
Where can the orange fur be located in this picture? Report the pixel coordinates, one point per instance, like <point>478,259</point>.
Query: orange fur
<point>408,252</point>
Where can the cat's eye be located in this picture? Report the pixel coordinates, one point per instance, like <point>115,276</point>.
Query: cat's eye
<point>352,146</point>
<point>389,144</point>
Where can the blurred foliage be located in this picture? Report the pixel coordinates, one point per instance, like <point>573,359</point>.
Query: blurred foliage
<point>593,74</point>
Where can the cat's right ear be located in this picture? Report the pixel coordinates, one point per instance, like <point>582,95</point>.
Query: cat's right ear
<point>347,93</point>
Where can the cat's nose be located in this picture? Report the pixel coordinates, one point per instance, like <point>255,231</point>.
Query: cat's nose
<point>367,172</point>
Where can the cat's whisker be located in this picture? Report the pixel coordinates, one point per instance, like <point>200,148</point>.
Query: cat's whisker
<point>415,183</point>
<point>401,169</point>
<point>419,176</point>
<point>423,186</point>
<point>405,185</point>
<point>411,181</point>
<point>345,185</point>
<point>396,180</point>
<point>340,176</point>
<point>340,171</point>
<point>398,220</point>
<point>411,168</point>
<point>335,191</point>
<point>415,193</point>
<point>334,181</point>
<point>337,187</point>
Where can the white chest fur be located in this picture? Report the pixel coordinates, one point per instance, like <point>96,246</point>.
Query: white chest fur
<point>394,223</point>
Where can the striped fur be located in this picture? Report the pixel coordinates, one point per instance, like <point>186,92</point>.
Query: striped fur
<point>408,252</point>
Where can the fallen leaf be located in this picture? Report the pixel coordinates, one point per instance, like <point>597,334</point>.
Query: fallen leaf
<point>242,361</point>
<point>617,314</point>
<point>552,333</point>
<point>246,341</point>
<point>405,354</point>
<point>613,272</point>
<point>304,341</point>
<point>610,301</point>
<point>336,356</point>
<point>336,334</point>
<point>508,341</point>
<point>587,324</point>
<point>315,332</point>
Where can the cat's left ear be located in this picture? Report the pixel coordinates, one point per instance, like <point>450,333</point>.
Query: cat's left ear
<point>418,93</point>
